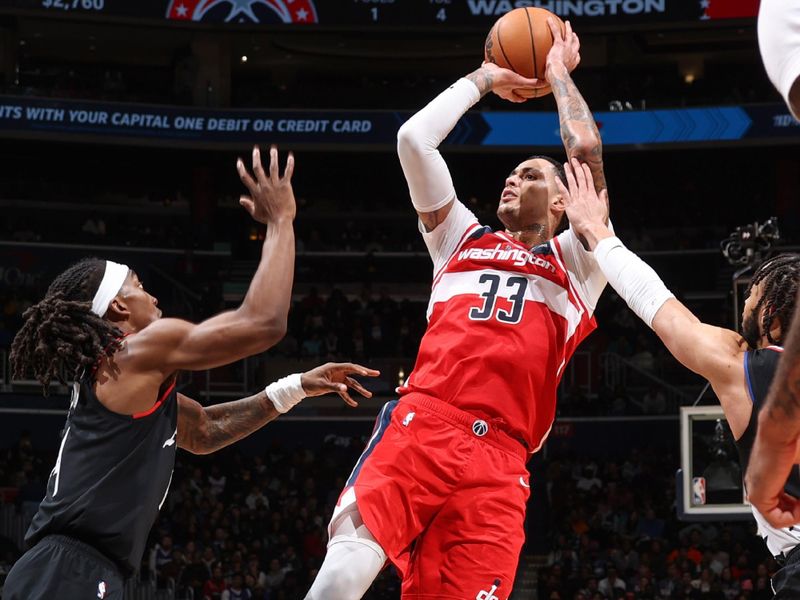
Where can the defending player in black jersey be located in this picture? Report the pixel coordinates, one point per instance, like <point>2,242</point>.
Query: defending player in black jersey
<point>98,326</point>
<point>739,367</point>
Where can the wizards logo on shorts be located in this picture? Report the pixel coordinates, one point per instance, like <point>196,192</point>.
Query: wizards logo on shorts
<point>243,11</point>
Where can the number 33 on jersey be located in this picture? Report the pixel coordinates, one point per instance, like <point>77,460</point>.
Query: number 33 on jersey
<point>503,320</point>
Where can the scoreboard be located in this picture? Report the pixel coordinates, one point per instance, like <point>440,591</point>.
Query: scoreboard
<point>477,14</point>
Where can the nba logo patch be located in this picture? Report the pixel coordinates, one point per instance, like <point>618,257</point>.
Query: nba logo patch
<point>101,589</point>
<point>408,419</point>
<point>698,490</point>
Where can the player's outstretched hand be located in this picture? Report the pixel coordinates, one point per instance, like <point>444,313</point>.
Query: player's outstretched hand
<point>566,49</point>
<point>336,377</point>
<point>504,82</point>
<point>585,207</point>
<point>271,196</point>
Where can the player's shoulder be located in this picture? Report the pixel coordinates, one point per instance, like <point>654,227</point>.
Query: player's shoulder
<point>146,348</point>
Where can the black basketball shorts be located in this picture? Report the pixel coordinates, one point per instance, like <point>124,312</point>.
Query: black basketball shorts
<point>62,567</point>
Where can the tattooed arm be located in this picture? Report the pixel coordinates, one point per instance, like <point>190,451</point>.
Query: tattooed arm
<point>202,430</point>
<point>205,430</point>
<point>578,130</point>
<point>777,441</point>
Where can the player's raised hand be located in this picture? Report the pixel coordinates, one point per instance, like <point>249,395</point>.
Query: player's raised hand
<point>271,196</point>
<point>566,47</point>
<point>336,378</point>
<point>585,207</point>
<point>504,82</point>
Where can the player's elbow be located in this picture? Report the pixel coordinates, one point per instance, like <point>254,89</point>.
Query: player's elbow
<point>409,142</point>
<point>587,149</point>
<point>266,334</point>
<point>275,331</point>
<point>259,331</point>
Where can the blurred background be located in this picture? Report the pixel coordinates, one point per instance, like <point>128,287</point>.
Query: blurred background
<point>120,125</point>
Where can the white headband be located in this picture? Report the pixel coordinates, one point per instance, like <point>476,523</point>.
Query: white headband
<point>112,282</point>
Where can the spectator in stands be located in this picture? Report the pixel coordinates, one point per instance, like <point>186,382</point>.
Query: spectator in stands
<point>237,590</point>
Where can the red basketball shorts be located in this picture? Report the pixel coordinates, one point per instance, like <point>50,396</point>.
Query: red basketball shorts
<point>444,494</point>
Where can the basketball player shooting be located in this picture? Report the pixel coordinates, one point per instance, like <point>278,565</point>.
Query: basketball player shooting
<point>739,366</point>
<point>98,325</point>
<point>441,489</point>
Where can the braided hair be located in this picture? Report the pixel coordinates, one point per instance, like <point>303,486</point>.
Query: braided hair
<point>60,335</point>
<point>780,277</point>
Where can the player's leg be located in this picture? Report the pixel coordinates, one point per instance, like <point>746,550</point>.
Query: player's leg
<point>410,466</point>
<point>471,548</point>
<point>61,568</point>
<point>353,560</point>
<point>779,41</point>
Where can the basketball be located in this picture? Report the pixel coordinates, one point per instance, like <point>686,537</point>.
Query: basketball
<point>520,41</point>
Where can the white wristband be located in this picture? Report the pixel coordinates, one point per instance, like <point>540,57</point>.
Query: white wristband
<point>633,279</point>
<point>286,392</point>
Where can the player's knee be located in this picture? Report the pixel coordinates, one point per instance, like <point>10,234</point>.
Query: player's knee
<point>348,570</point>
<point>337,584</point>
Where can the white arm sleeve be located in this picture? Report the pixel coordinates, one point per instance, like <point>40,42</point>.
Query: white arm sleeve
<point>584,273</point>
<point>779,41</point>
<point>633,279</point>
<point>429,180</point>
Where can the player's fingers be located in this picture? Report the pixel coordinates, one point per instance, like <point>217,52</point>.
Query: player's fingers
<point>258,168</point>
<point>780,519</point>
<point>587,174</point>
<point>248,204</point>
<point>579,178</point>
<point>554,29</point>
<point>245,176</point>
<point>353,368</point>
<point>604,196</point>
<point>273,163</point>
<point>567,30</point>
<point>527,83</point>
<point>289,171</point>
<point>571,183</point>
<point>358,387</point>
<point>346,397</point>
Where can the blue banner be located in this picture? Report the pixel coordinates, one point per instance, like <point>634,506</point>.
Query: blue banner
<point>195,127</point>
